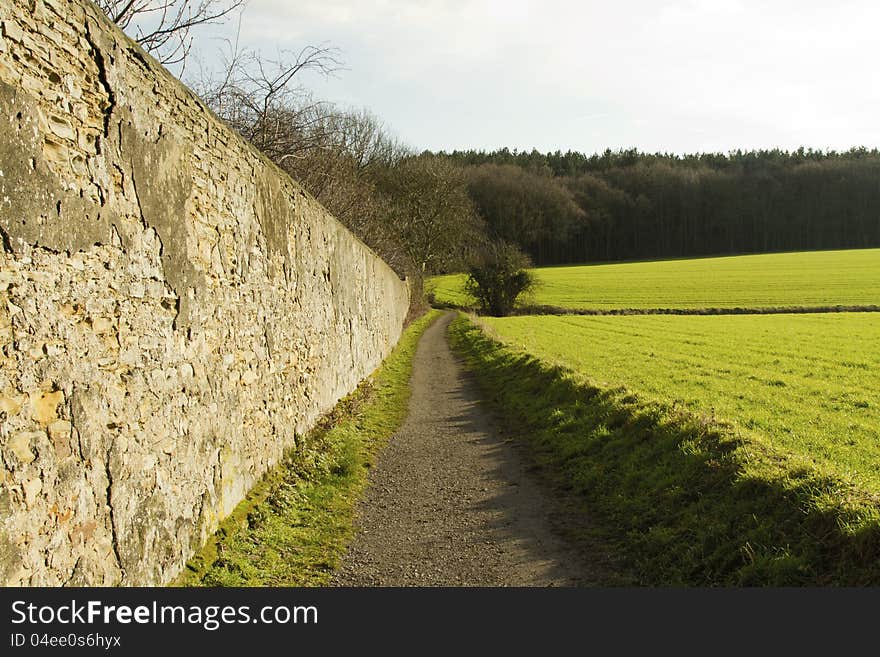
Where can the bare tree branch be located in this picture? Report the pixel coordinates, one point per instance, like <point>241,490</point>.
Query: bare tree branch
<point>413,210</point>
<point>162,27</point>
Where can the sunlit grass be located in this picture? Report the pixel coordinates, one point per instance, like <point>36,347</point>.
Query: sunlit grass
<point>810,384</point>
<point>814,278</point>
<point>708,450</point>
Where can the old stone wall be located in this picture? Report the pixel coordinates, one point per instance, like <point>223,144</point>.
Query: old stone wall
<point>174,310</point>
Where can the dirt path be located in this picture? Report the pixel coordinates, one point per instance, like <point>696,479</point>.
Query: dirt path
<point>449,502</point>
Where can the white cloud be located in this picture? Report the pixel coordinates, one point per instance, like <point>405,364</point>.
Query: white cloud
<point>680,76</point>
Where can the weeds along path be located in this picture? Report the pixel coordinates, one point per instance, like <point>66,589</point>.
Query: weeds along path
<point>450,502</point>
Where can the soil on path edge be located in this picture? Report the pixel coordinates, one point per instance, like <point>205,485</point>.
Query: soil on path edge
<point>450,502</point>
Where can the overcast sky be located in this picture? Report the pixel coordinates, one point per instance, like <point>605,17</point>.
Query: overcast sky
<point>684,76</point>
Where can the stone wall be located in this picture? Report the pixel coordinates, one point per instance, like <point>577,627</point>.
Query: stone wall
<point>174,310</point>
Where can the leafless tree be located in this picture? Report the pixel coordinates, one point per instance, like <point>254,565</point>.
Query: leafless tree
<point>432,212</point>
<point>162,27</point>
<point>409,209</point>
<point>412,210</point>
<point>264,99</point>
<point>335,154</point>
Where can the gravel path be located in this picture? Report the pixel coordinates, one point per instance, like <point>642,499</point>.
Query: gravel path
<point>450,502</point>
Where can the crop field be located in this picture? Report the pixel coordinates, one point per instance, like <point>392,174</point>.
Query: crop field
<point>809,385</point>
<point>807,279</point>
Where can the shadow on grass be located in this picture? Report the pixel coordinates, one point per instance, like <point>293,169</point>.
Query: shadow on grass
<point>687,500</point>
<point>518,513</point>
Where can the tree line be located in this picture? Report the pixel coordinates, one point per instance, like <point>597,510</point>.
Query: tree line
<point>618,205</point>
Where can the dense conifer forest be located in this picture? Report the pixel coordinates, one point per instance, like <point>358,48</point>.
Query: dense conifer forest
<point>619,205</point>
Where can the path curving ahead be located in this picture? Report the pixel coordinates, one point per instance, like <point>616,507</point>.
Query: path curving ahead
<point>449,501</point>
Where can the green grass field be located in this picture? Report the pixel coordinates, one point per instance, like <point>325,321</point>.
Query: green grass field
<point>713,450</point>
<point>816,278</point>
<point>810,384</point>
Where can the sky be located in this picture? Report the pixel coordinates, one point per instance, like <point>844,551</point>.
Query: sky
<point>680,77</point>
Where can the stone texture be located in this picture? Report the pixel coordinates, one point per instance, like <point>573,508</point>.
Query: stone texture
<point>174,310</point>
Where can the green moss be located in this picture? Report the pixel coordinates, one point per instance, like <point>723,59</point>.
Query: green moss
<point>294,525</point>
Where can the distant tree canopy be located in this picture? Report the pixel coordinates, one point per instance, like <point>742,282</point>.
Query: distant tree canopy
<point>570,207</point>
<point>524,207</point>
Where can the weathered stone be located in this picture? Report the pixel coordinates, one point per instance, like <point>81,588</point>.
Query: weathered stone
<point>175,308</point>
<point>11,402</point>
<point>59,434</point>
<point>102,325</point>
<point>32,488</point>
<point>44,406</point>
<point>12,31</point>
<point>84,531</point>
<point>20,445</point>
<point>10,558</point>
<point>53,350</point>
<point>62,128</point>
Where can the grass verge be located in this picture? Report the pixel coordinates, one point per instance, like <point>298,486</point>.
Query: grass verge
<point>293,526</point>
<point>686,500</point>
